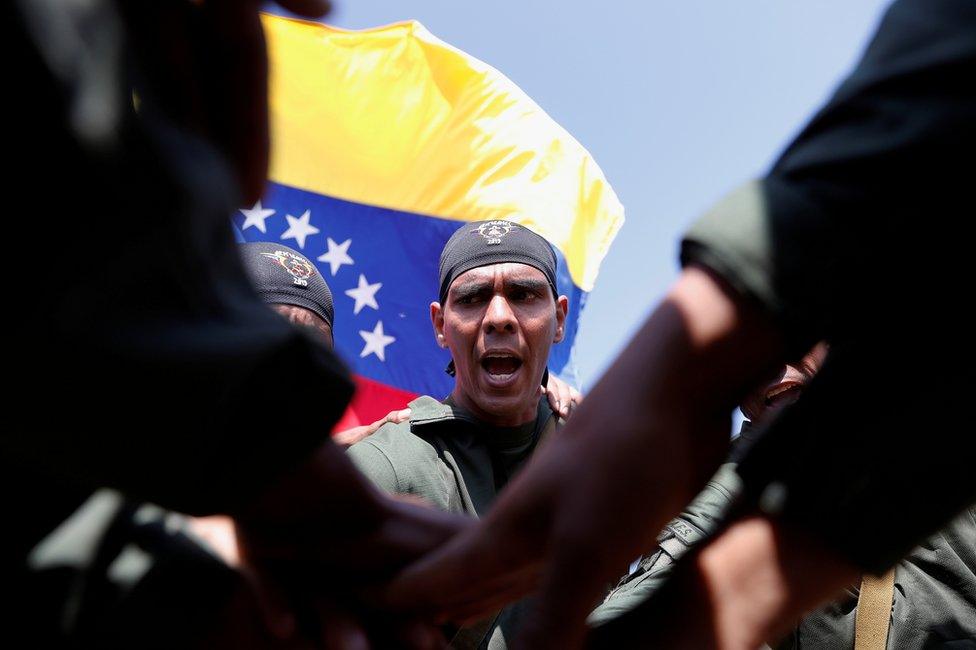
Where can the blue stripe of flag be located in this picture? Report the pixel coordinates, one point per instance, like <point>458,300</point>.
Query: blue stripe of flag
<point>401,251</point>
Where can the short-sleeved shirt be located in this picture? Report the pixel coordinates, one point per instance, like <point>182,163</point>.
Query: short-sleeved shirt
<point>858,235</point>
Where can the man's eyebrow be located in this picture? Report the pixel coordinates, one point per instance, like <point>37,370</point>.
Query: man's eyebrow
<point>470,287</point>
<point>528,284</point>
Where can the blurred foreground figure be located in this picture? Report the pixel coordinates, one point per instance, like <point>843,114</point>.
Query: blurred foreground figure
<point>137,130</point>
<point>853,237</point>
<point>928,599</point>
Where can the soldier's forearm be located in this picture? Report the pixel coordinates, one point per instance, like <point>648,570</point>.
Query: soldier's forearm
<point>668,397</point>
<point>720,348</point>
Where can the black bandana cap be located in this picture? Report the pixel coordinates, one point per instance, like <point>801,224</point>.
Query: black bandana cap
<point>283,276</point>
<point>482,243</point>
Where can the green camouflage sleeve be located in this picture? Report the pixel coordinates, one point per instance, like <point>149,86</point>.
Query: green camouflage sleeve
<point>697,522</point>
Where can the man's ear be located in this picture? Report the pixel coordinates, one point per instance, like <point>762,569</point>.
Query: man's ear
<point>437,320</point>
<point>562,308</point>
<point>330,336</point>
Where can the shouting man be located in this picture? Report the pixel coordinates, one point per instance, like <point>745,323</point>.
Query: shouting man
<point>499,313</point>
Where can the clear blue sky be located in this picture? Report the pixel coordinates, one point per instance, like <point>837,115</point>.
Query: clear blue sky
<point>678,102</point>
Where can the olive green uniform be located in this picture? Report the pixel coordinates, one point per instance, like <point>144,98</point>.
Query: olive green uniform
<point>447,456</point>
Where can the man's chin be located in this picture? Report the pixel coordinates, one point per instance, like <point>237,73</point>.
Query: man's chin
<point>512,407</point>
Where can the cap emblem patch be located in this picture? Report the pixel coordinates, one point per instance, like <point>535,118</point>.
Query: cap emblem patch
<point>299,268</point>
<point>494,231</point>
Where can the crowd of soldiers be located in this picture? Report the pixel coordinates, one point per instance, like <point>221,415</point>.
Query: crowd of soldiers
<point>183,492</point>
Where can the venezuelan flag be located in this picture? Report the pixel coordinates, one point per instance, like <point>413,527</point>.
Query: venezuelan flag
<point>383,142</point>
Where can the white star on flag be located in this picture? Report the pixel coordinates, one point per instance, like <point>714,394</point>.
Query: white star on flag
<point>255,217</point>
<point>376,342</point>
<point>364,294</point>
<point>337,255</point>
<point>299,228</point>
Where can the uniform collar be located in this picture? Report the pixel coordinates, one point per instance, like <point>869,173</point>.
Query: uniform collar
<point>425,411</point>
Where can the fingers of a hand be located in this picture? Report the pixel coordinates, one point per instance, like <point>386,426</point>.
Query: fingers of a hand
<point>552,395</point>
<point>354,435</point>
<point>573,402</point>
<point>564,397</point>
<point>565,401</point>
<point>349,437</point>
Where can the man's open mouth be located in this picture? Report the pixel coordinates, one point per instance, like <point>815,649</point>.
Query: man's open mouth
<point>500,365</point>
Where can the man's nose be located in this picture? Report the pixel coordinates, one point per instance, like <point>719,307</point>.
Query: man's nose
<point>500,316</point>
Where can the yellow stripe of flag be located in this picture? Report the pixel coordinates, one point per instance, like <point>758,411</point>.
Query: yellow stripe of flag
<point>394,117</point>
